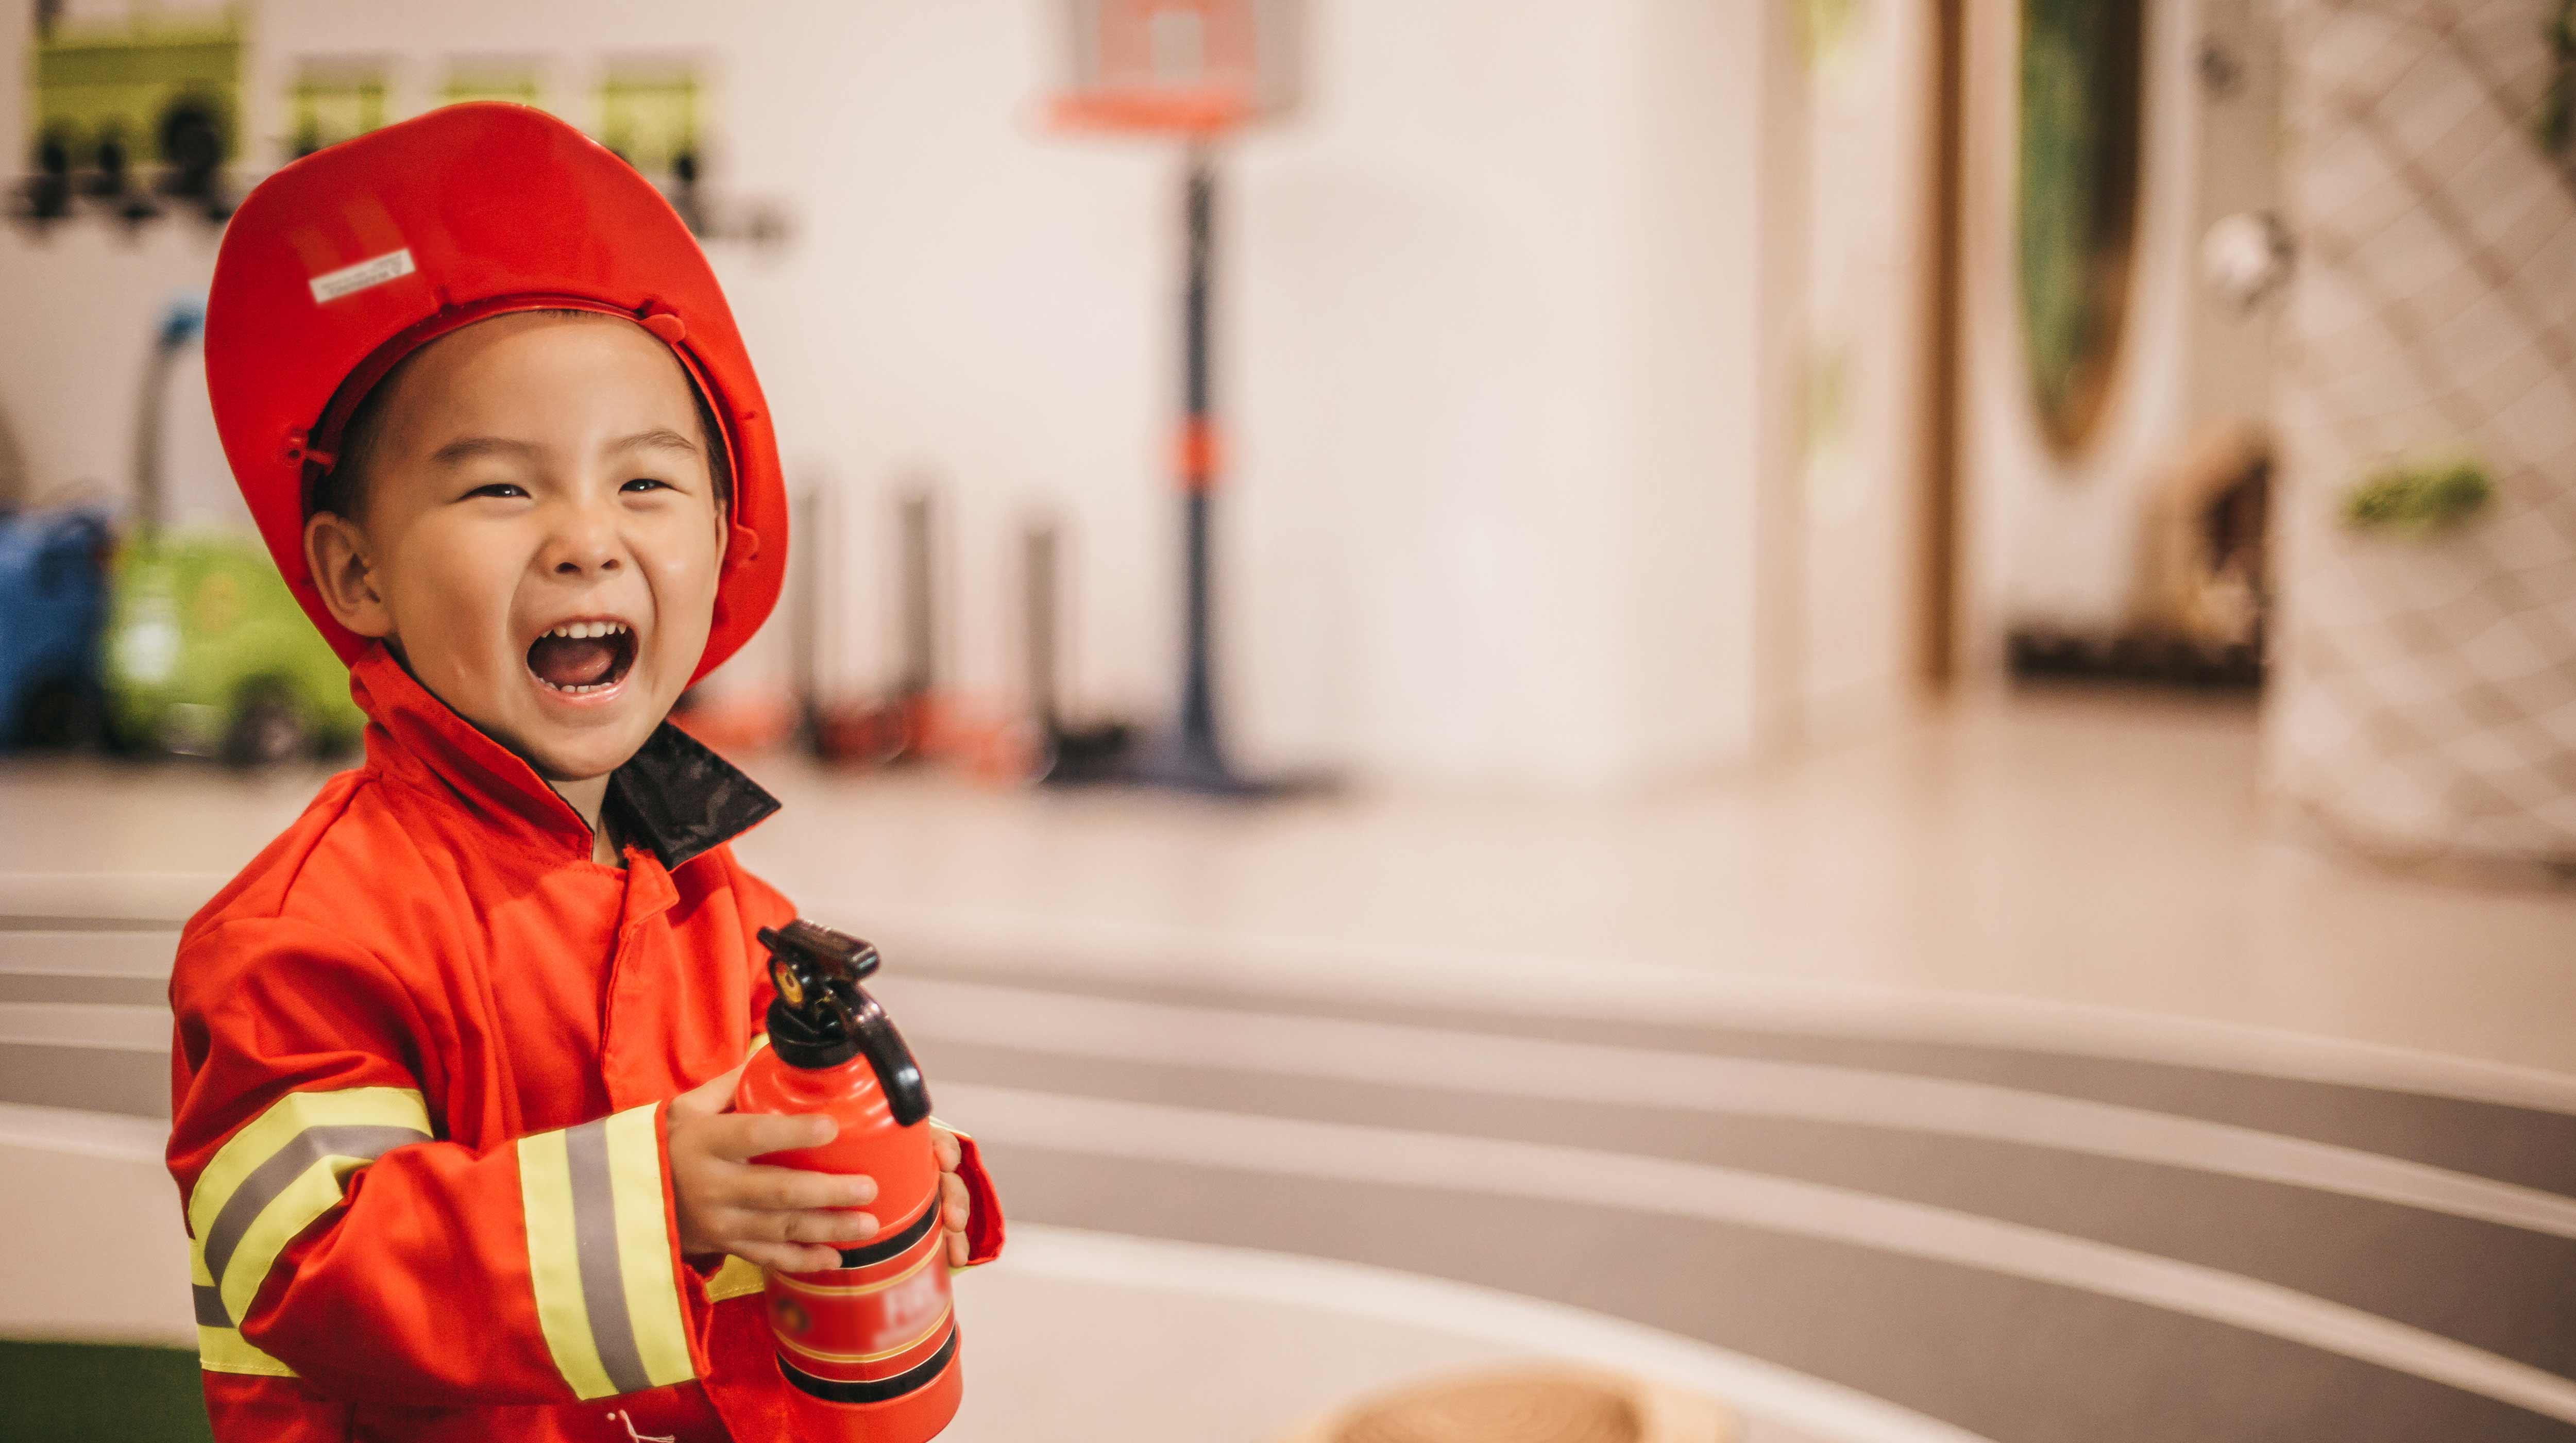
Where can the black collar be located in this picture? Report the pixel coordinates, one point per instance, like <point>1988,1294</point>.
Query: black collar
<point>679,800</point>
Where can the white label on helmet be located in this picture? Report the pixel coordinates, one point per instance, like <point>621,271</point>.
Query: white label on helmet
<point>373,271</point>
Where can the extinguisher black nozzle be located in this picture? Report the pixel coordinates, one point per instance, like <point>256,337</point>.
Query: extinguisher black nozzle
<point>833,955</point>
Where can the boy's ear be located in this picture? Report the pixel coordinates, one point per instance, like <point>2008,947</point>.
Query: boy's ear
<point>335,552</point>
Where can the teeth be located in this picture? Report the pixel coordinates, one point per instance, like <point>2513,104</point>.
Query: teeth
<point>583,631</point>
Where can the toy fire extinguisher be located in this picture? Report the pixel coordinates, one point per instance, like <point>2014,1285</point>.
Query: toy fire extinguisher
<point>870,1346</point>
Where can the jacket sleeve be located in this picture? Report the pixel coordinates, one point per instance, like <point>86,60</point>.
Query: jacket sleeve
<point>335,1236</point>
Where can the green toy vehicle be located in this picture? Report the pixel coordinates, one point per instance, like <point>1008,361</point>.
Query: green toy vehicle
<point>207,652</point>
<point>209,655</point>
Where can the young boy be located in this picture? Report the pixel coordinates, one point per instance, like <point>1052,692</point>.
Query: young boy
<point>453,1054</point>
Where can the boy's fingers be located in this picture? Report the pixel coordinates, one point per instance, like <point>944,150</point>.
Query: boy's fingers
<point>790,1189</point>
<point>943,1144</point>
<point>711,1096</point>
<point>746,1135</point>
<point>745,1227</point>
<point>953,1200</point>
<point>814,1227</point>
<point>787,1257</point>
<point>956,1250</point>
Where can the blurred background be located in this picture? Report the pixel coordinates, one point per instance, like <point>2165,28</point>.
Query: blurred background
<point>1828,719</point>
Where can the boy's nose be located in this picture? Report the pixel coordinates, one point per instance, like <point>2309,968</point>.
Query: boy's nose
<point>584,540</point>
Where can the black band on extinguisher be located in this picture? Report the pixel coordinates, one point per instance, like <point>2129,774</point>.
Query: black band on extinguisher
<point>878,1390</point>
<point>876,1252</point>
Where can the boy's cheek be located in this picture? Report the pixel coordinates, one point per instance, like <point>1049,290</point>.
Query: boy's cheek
<point>679,551</point>
<point>447,582</point>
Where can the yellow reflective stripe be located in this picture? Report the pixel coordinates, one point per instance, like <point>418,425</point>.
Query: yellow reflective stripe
<point>315,1191</point>
<point>738,1276</point>
<point>290,1115</point>
<point>222,1349</point>
<point>270,1180</point>
<point>644,1247</point>
<point>554,1263</point>
<point>599,1255</point>
<point>225,1350</point>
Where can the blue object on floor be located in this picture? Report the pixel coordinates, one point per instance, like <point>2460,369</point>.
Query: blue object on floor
<point>53,589</point>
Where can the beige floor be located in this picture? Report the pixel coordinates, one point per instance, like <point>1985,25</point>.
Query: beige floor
<point>2097,861</point>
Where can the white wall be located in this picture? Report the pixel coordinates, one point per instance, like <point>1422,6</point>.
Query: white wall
<point>1487,347</point>
<point>1864,249</point>
<point>1703,426</point>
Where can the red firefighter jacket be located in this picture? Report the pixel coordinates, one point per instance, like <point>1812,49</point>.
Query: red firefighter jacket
<point>423,1047</point>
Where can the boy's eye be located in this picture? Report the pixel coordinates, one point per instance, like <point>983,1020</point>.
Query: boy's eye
<point>498,488</point>
<point>645,483</point>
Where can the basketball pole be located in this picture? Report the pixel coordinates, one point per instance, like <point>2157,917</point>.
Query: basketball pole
<point>1199,745</point>
<point>1192,755</point>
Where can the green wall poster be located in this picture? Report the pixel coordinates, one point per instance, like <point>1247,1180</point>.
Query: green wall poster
<point>138,89</point>
<point>2082,91</point>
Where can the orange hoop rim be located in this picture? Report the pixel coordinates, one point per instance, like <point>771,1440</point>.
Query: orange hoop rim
<point>1205,111</point>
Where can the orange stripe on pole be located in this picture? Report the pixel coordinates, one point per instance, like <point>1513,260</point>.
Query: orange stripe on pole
<point>1200,450</point>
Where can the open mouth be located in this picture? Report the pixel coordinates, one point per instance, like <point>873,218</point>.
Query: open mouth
<point>580,657</point>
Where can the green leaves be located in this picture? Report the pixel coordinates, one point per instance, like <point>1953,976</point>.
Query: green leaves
<point>2419,498</point>
<point>2555,125</point>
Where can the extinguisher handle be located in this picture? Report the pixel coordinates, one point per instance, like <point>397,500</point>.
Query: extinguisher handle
<point>891,1056</point>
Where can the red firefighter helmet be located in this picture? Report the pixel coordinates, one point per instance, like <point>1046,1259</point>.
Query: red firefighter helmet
<point>344,262</point>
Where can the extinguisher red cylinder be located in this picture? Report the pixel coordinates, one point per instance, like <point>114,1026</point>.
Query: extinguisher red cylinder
<point>870,1348</point>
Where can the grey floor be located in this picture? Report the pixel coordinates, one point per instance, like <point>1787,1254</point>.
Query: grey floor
<point>2009,1357</point>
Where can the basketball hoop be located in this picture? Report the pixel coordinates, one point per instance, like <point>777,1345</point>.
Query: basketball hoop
<point>1197,68</point>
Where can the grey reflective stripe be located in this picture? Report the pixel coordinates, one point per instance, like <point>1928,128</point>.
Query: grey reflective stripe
<point>603,1277</point>
<point>210,1306</point>
<point>272,1177</point>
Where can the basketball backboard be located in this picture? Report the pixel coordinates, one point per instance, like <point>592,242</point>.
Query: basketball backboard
<point>1192,67</point>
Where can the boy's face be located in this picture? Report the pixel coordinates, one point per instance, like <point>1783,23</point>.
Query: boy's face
<point>535,479</point>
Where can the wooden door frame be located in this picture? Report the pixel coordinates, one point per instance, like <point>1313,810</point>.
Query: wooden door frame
<point>1938,569</point>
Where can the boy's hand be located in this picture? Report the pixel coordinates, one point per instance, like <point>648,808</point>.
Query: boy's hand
<point>779,1217</point>
<point>953,1204</point>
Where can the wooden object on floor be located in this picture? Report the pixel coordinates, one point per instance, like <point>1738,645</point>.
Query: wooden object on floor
<point>1537,1403</point>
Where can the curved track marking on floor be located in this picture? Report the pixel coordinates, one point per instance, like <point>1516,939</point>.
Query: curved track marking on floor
<point>79,1133</point>
<point>138,899</point>
<point>51,952</point>
<point>1488,1315</point>
<point>1605,988</point>
<point>1579,1072</point>
<point>1634,1077</point>
<point>1617,990</point>
<point>118,1026</point>
<point>1345,1152</point>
